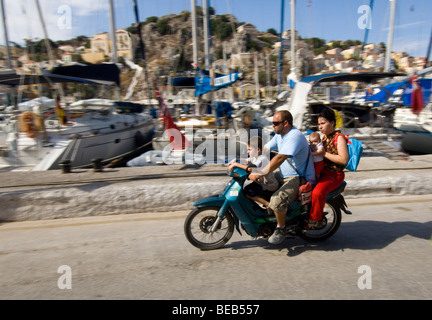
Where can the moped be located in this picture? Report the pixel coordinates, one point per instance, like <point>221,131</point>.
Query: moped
<point>210,225</point>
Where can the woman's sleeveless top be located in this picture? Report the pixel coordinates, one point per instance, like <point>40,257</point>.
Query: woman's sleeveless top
<point>330,145</point>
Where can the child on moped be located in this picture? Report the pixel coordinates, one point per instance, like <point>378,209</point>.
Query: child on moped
<point>262,190</point>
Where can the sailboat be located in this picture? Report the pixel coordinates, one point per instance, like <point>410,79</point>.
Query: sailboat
<point>414,117</point>
<point>304,105</point>
<point>40,139</point>
<point>195,131</point>
<point>88,131</point>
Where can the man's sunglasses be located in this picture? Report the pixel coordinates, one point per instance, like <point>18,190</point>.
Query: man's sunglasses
<point>276,123</point>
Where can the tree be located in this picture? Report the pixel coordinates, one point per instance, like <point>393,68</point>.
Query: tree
<point>151,19</point>
<point>221,27</point>
<point>163,26</point>
<point>272,31</point>
<point>133,29</point>
<point>335,44</point>
<point>315,43</point>
<point>39,46</point>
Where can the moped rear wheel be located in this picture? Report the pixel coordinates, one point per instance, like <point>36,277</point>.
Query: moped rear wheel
<point>332,216</point>
<point>199,224</point>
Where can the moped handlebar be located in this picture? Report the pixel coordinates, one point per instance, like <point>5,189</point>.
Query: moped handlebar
<point>239,173</point>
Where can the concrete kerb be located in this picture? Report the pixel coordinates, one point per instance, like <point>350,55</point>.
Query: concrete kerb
<point>117,194</point>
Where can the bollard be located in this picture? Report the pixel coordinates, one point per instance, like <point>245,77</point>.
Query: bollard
<point>97,164</point>
<point>65,166</point>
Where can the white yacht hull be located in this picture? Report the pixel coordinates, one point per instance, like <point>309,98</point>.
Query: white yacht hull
<point>106,136</point>
<point>416,130</point>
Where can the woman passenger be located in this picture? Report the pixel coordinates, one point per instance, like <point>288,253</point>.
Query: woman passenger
<point>335,159</point>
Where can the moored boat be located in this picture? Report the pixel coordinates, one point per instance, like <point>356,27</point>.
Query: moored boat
<point>42,142</point>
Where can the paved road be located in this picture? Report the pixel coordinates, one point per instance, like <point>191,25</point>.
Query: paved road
<point>382,251</point>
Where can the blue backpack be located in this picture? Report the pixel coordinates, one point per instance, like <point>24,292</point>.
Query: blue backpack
<point>355,149</point>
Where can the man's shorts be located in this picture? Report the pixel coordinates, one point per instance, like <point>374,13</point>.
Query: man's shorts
<point>287,193</point>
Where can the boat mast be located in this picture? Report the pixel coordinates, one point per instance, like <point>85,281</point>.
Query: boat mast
<point>195,50</point>
<point>292,77</point>
<point>207,45</point>
<point>194,34</point>
<point>142,50</point>
<point>5,33</point>
<point>293,54</point>
<point>281,46</point>
<point>390,36</point>
<point>428,51</point>
<point>9,58</point>
<point>257,87</point>
<point>113,33</point>
<point>50,54</point>
<point>48,46</point>
<point>206,35</point>
<point>113,44</point>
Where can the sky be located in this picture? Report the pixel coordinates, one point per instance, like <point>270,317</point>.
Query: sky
<point>326,19</point>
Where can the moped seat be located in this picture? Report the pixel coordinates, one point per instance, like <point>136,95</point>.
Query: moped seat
<point>337,191</point>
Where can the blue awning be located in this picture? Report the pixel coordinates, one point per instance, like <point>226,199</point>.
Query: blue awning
<point>203,85</point>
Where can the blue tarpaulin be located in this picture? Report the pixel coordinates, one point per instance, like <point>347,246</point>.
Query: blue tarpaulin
<point>203,85</point>
<point>388,90</point>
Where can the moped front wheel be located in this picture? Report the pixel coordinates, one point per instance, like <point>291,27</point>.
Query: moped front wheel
<point>204,231</point>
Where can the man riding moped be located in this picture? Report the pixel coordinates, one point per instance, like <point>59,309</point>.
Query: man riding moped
<point>293,145</point>
<point>210,224</point>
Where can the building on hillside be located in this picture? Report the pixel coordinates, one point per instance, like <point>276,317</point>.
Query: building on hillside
<point>351,53</point>
<point>419,62</point>
<point>373,47</point>
<point>396,56</point>
<point>246,91</point>
<point>221,66</point>
<point>242,60</point>
<point>319,63</point>
<point>346,66</point>
<point>287,35</point>
<point>337,52</point>
<point>126,44</point>
<point>247,27</point>
<point>286,41</point>
<point>406,63</point>
<point>374,62</point>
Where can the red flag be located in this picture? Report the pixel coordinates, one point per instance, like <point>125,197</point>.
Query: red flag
<point>416,95</point>
<point>177,139</point>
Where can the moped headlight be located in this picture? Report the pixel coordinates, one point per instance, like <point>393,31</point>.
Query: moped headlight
<point>228,184</point>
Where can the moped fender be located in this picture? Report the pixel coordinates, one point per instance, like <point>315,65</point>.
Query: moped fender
<point>340,201</point>
<point>218,201</point>
<point>215,200</point>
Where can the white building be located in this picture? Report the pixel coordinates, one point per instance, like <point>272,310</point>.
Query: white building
<point>126,44</point>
